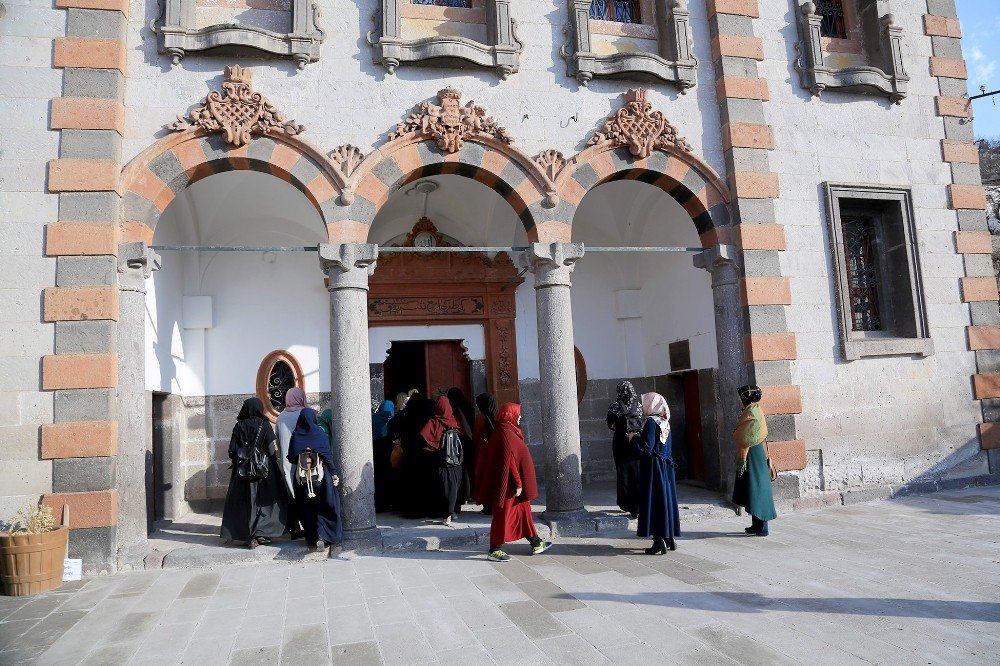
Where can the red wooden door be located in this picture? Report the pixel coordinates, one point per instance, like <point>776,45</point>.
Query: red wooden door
<point>447,366</point>
<point>692,420</point>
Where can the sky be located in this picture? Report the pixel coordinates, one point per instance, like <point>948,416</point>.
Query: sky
<point>981,47</point>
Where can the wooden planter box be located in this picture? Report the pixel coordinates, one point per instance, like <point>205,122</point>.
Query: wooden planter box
<point>32,563</point>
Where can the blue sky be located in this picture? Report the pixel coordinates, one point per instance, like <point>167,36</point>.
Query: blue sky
<point>980,37</point>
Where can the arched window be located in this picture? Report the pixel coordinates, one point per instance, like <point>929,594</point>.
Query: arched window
<point>278,372</point>
<point>620,11</point>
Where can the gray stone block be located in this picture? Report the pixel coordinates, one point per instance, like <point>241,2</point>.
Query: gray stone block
<point>959,129</point>
<point>767,319</point>
<point>88,270</point>
<point>772,373</point>
<point>730,24</point>
<point>731,66</point>
<point>915,487</point>
<point>96,546</point>
<point>980,265</point>
<point>86,337</point>
<point>966,174</point>
<point>947,47</point>
<point>988,360</point>
<point>993,455</point>
<point>90,144</point>
<point>781,427</point>
<point>96,83</point>
<point>750,159</point>
<point>85,404</point>
<point>761,263</point>
<point>786,487</point>
<point>89,206</point>
<point>95,24</point>
<point>952,87</point>
<point>985,313</point>
<point>744,111</point>
<point>78,475</point>
<point>972,220</point>
<point>942,8</point>
<point>754,211</point>
<point>866,495</point>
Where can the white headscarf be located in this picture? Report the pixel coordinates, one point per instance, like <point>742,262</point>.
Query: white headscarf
<point>655,407</point>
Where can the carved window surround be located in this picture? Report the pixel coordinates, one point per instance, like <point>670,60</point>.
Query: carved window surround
<point>180,34</point>
<point>673,62</point>
<point>264,375</point>
<point>501,51</point>
<point>878,39</point>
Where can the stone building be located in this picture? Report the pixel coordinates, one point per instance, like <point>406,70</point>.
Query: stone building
<point>694,194</point>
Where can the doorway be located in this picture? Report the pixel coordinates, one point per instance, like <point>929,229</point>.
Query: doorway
<point>427,366</point>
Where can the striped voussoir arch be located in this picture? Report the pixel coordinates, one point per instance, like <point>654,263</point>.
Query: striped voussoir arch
<point>503,169</point>
<point>693,184</point>
<point>152,180</point>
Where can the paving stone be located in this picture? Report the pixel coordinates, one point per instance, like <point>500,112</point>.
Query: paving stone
<point>445,629</point>
<point>305,645</point>
<point>10,632</point>
<point>509,645</point>
<point>571,650</point>
<point>403,643</point>
<point>533,620</point>
<point>349,624</point>
<point>498,589</point>
<point>201,585</point>
<point>256,656</point>
<point>111,655</point>
<point>260,631</point>
<point>47,631</point>
<point>304,610</point>
<point>357,654</point>
<point>388,610</point>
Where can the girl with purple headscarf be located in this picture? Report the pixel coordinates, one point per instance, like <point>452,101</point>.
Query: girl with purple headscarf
<point>295,401</point>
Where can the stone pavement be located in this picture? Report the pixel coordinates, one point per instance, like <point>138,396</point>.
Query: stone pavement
<point>893,582</point>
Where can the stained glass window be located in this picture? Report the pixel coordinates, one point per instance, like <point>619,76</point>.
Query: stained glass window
<point>861,250</point>
<point>279,381</point>
<point>833,24</point>
<point>621,11</point>
<point>466,4</point>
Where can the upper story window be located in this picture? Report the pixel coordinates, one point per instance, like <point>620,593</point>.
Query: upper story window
<point>620,11</point>
<point>833,24</point>
<point>464,4</point>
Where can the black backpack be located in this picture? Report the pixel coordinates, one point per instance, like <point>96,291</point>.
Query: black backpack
<point>452,452</point>
<point>251,461</point>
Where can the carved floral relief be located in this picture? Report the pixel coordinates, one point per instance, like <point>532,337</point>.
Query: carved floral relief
<point>449,123</point>
<point>640,128</point>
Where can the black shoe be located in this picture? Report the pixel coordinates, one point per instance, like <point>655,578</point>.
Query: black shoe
<point>671,544</point>
<point>750,530</point>
<point>659,548</point>
<point>263,541</point>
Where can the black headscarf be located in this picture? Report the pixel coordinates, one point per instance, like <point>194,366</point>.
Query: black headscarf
<point>249,422</point>
<point>749,394</point>
<point>487,405</point>
<point>627,404</point>
<point>308,435</point>
<point>464,412</point>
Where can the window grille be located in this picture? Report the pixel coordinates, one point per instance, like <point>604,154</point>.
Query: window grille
<point>465,4</point>
<point>279,381</point>
<point>833,24</point>
<point>860,248</point>
<point>620,11</point>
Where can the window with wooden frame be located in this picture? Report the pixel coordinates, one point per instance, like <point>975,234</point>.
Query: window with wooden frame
<point>278,372</point>
<point>877,271</point>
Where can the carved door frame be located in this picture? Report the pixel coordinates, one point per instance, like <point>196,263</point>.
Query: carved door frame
<point>442,288</point>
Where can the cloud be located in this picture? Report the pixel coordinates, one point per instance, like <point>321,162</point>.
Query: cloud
<point>983,68</point>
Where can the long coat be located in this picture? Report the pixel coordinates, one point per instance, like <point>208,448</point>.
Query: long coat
<point>626,463</point>
<point>752,489</point>
<point>658,512</point>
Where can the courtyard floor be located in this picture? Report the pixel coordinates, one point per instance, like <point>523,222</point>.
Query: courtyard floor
<point>914,580</point>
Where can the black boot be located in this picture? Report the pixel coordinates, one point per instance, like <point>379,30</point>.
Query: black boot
<point>671,544</point>
<point>659,548</point>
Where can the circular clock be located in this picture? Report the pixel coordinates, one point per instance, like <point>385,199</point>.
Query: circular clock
<point>425,239</point>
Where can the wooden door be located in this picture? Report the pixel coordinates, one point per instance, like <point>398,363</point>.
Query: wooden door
<point>447,366</point>
<point>692,425</point>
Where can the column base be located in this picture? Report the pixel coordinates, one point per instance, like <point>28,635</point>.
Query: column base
<point>367,540</point>
<point>581,522</point>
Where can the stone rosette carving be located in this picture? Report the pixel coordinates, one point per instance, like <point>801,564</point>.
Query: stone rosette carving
<point>552,162</point>
<point>347,157</point>
<point>238,111</point>
<point>449,123</point>
<point>640,128</point>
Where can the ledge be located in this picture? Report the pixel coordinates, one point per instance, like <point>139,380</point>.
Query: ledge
<point>858,349</point>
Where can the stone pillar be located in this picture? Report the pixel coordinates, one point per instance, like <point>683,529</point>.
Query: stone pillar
<point>136,262</point>
<point>348,267</point>
<point>721,262</point>
<point>551,264</point>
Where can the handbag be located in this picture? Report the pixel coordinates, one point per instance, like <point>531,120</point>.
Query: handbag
<point>770,464</point>
<point>396,456</point>
<point>251,461</point>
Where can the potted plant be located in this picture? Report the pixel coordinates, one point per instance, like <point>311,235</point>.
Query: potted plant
<point>32,552</point>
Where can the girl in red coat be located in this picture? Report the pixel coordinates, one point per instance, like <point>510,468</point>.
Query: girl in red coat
<point>509,485</point>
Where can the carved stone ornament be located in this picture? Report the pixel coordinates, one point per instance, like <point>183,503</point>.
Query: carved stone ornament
<point>640,128</point>
<point>348,158</point>
<point>552,162</point>
<point>237,112</point>
<point>449,123</point>
<point>424,225</point>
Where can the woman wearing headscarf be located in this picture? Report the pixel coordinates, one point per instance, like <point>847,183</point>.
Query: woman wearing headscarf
<point>325,422</point>
<point>625,419</point>
<point>295,400</point>
<point>255,511</point>
<point>482,431</point>
<point>659,516</point>
<point>465,415</point>
<point>509,485</point>
<point>752,488</point>
<point>446,480</point>
<point>417,471</point>
<point>319,515</point>
<point>381,450</point>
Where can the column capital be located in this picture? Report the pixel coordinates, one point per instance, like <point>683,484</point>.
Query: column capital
<point>721,261</point>
<point>136,263</point>
<point>552,263</point>
<point>348,265</point>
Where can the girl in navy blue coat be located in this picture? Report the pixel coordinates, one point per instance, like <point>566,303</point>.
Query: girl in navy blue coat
<point>659,516</point>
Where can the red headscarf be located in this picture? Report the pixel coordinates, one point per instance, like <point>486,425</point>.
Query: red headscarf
<point>508,465</point>
<point>443,419</point>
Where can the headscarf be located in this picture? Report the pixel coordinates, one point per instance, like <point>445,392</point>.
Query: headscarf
<point>249,422</point>
<point>487,405</point>
<point>376,403</point>
<point>401,400</point>
<point>295,399</point>
<point>443,419</point>
<point>308,435</point>
<point>508,418</point>
<point>381,418</point>
<point>464,412</point>
<point>749,394</point>
<point>325,421</point>
<point>655,407</point>
<point>508,462</point>
<point>627,404</point>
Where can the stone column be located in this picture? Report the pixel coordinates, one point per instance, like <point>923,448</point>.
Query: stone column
<point>551,264</point>
<point>721,262</point>
<point>348,267</point>
<point>136,262</point>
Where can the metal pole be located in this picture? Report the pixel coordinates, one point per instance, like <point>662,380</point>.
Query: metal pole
<point>415,250</point>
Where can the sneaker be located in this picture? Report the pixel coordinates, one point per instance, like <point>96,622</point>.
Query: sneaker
<point>498,556</point>
<point>541,548</point>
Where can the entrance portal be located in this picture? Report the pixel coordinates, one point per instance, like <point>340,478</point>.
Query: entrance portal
<point>427,366</point>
